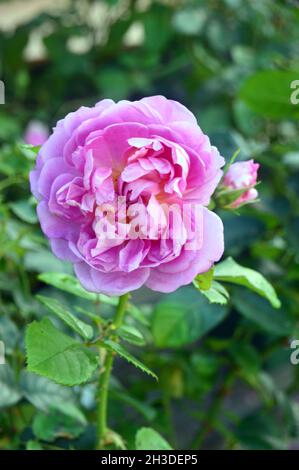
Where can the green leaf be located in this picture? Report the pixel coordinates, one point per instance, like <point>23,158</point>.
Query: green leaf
<point>67,283</point>
<point>245,356</point>
<point>9,334</point>
<point>230,271</point>
<point>156,28</point>
<point>33,445</point>
<point>49,427</point>
<point>149,412</point>
<point>9,389</point>
<point>264,384</point>
<point>131,334</point>
<point>204,281</point>
<point>57,356</point>
<point>70,284</point>
<point>43,393</point>
<point>183,317</point>
<point>217,294</point>
<point>24,210</point>
<point>30,151</point>
<point>149,439</point>
<point>256,309</point>
<point>41,259</point>
<point>115,347</point>
<point>269,92</point>
<point>46,395</point>
<point>240,232</point>
<point>260,431</point>
<point>80,327</point>
<point>205,364</point>
<point>138,314</point>
<point>114,82</point>
<point>32,148</point>
<point>115,439</point>
<point>95,318</point>
<point>248,122</point>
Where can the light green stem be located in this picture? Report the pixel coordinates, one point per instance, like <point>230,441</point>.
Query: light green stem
<point>104,380</point>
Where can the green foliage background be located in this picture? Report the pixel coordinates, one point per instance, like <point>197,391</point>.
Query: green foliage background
<point>225,376</point>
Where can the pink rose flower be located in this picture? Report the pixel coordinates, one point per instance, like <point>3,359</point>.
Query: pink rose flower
<point>242,175</point>
<point>36,133</point>
<point>118,158</point>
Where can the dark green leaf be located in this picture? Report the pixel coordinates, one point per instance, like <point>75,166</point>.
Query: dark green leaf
<point>269,92</point>
<point>33,445</point>
<point>258,310</point>
<point>9,334</point>
<point>217,294</point>
<point>131,334</point>
<point>183,317</point>
<point>115,347</point>
<point>230,271</point>
<point>49,427</point>
<point>9,389</point>
<point>46,395</point>
<point>70,284</point>
<point>57,356</point>
<point>80,327</point>
<point>204,281</point>
<point>24,210</point>
<point>149,439</point>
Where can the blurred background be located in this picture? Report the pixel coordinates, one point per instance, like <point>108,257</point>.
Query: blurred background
<point>226,379</point>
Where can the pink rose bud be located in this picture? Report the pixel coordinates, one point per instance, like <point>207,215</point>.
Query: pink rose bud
<point>36,133</point>
<point>242,175</point>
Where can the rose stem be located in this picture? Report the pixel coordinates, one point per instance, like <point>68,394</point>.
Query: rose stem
<point>105,377</point>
